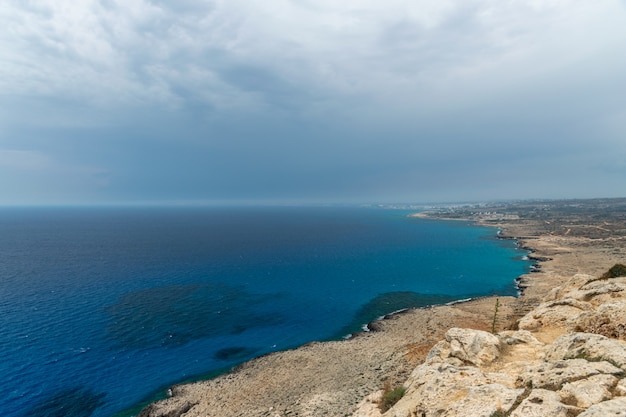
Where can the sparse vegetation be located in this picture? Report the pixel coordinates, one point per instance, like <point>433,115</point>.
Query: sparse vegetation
<point>495,316</point>
<point>390,396</point>
<point>617,270</point>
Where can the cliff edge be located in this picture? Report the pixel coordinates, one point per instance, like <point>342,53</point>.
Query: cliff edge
<point>566,358</point>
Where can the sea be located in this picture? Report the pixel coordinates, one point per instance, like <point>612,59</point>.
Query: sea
<point>102,309</point>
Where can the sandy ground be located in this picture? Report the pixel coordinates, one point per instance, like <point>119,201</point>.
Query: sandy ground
<point>331,378</point>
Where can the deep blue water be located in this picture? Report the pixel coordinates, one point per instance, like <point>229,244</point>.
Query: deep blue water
<point>101,308</point>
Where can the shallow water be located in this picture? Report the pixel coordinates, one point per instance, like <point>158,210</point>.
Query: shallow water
<point>102,307</point>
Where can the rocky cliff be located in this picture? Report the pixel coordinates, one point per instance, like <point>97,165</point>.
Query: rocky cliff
<point>567,357</point>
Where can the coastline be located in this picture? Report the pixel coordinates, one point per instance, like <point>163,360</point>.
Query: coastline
<point>331,378</point>
<point>326,378</point>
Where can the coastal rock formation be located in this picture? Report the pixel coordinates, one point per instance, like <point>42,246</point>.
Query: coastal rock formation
<point>578,369</point>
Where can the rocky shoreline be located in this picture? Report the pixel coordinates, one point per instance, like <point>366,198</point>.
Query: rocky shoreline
<point>557,350</point>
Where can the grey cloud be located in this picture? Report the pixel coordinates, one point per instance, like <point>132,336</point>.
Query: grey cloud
<point>195,7</point>
<point>184,99</point>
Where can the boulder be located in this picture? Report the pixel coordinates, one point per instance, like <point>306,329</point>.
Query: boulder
<point>593,347</point>
<point>473,346</point>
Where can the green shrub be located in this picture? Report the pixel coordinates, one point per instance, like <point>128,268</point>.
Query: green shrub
<point>391,397</point>
<point>617,270</point>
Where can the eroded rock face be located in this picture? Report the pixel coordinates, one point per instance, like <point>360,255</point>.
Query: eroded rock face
<point>600,291</point>
<point>609,319</point>
<point>574,283</point>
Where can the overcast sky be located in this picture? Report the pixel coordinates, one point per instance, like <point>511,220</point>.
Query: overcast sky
<point>139,101</point>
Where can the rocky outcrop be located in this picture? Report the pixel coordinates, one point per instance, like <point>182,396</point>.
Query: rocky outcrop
<point>432,387</point>
<point>554,314</point>
<point>473,346</point>
<point>592,347</point>
<point>466,346</point>
<point>608,320</point>
<point>578,369</point>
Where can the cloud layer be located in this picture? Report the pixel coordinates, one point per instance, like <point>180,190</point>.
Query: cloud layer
<point>311,100</point>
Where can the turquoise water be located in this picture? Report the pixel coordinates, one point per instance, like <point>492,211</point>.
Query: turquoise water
<point>102,308</point>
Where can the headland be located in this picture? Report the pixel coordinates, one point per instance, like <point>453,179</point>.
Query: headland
<point>558,349</point>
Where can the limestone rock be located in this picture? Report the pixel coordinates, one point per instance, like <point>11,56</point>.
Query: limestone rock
<point>613,408</point>
<point>590,346</point>
<point>517,337</point>
<point>473,346</point>
<point>484,401</point>
<point>541,403</point>
<point>587,392</point>
<point>600,291</point>
<point>554,375</point>
<point>554,314</point>
<point>440,353</point>
<point>369,406</point>
<point>436,389</point>
<point>522,345</point>
<point>573,284</point>
<point>517,368</point>
<point>609,319</point>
